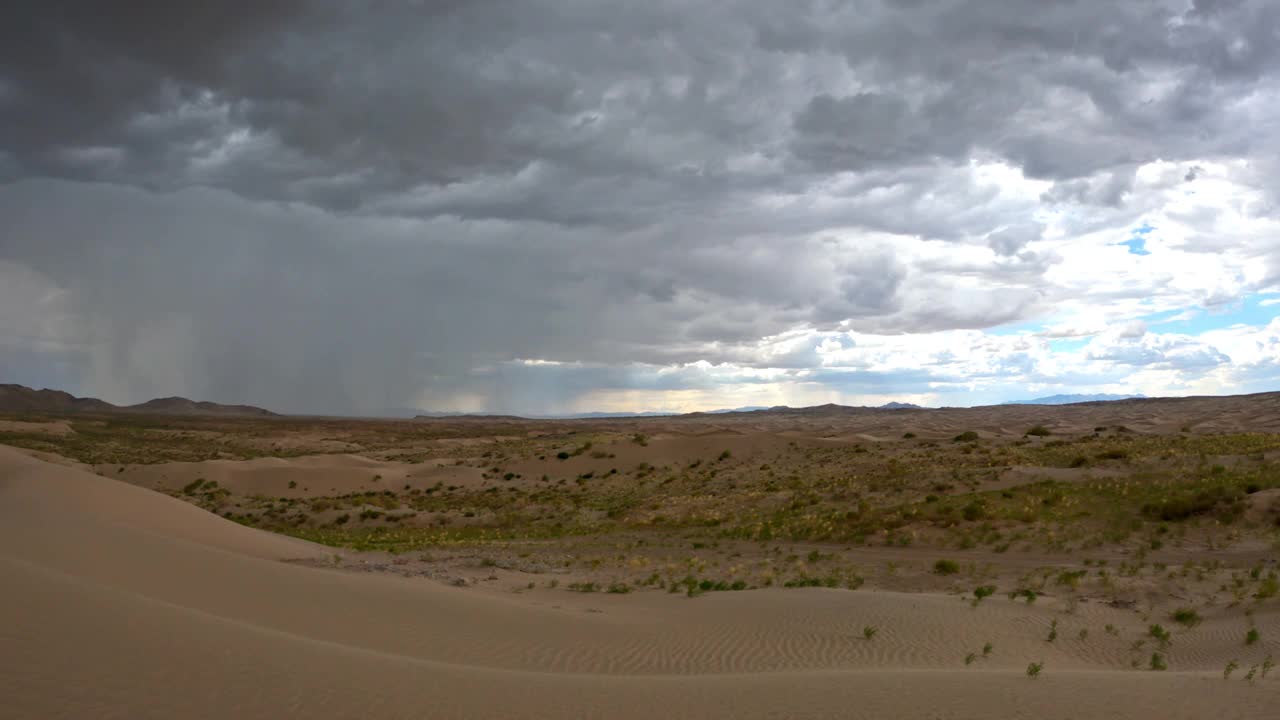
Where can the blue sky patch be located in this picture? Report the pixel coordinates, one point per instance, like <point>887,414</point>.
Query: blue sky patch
<point>1137,242</point>
<point>1068,344</point>
<point>1249,311</point>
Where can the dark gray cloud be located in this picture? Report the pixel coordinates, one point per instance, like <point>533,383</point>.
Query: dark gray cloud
<point>349,206</point>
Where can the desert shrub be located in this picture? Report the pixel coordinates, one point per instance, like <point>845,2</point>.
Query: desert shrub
<point>1158,662</point>
<point>1186,616</point>
<point>1026,593</point>
<point>1158,632</point>
<point>1267,588</point>
<point>1222,502</point>
<point>1039,431</point>
<point>1034,669</point>
<point>1071,578</point>
<point>966,436</point>
<point>807,581</point>
<point>984,591</point>
<point>946,567</point>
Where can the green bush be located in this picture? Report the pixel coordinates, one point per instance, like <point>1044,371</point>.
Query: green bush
<point>1225,503</point>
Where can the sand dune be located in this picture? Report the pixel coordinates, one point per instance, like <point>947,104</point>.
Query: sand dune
<point>311,475</point>
<point>120,602</point>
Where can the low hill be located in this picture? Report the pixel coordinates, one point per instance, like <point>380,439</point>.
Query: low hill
<point>22,399</point>
<point>1073,399</point>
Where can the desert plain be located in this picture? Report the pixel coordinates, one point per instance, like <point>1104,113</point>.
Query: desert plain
<point>1113,559</point>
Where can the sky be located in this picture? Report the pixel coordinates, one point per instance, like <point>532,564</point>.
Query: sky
<point>548,207</point>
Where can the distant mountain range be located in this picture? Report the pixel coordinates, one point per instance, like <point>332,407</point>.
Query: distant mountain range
<point>1071,399</point>
<point>22,399</point>
<point>422,415</point>
<point>666,413</point>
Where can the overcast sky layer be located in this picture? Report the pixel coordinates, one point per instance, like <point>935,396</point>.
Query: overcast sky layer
<point>557,206</point>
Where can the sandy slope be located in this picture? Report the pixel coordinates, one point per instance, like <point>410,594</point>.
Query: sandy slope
<point>120,602</point>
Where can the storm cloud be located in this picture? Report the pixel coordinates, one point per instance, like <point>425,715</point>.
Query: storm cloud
<point>524,207</point>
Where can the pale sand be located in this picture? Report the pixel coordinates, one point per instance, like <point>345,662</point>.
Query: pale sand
<point>120,602</point>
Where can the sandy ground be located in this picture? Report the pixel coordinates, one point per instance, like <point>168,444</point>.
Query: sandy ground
<point>121,602</point>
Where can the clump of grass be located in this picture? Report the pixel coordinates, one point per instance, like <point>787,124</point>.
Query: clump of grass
<point>1053,631</point>
<point>946,567</point>
<point>1026,593</point>
<point>1268,588</point>
<point>806,581</point>
<point>1267,664</point>
<point>619,588</point>
<point>1071,578</point>
<point>1034,669</point>
<point>869,631</point>
<point>908,436</point>
<point>1230,668</point>
<point>1186,617</point>
<point>968,659</point>
<point>986,650</point>
<point>584,587</point>
<point>1252,636</point>
<point>982,592</point>
<point>1158,662</point>
<point>1158,632</point>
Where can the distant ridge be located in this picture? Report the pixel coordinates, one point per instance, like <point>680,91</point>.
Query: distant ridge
<point>829,408</point>
<point>1071,399</point>
<point>22,399</point>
